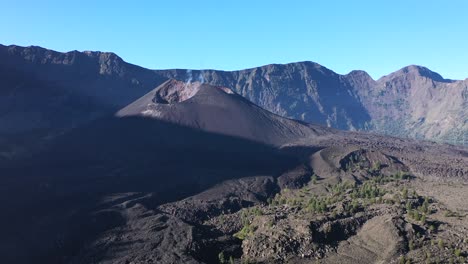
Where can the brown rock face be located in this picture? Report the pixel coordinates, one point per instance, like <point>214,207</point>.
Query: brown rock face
<point>176,91</point>
<point>412,102</point>
<point>215,109</point>
<point>191,172</point>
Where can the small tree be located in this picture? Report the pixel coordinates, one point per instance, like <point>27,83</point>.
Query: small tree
<point>314,179</point>
<point>428,255</point>
<point>405,193</point>
<point>355,206</point>
<point>411,245</point>
<point>425,206</point>
<point>441,243</point>
<point>376,166</point>
<point>408,206</point>
<point>221,258</point>
<point>423,219</point>
<point>416,215</point>
<point>402,260</point>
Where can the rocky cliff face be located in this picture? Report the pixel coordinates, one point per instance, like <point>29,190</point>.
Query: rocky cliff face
<point>44,93</point>
<point>418,103</point>
<point>194,173</point>
<point>412,102</point>
<point>100,75</point>
<point>49,87</point>
<point>304,91</point>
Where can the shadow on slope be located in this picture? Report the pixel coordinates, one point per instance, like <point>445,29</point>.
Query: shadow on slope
<point>54,200</point>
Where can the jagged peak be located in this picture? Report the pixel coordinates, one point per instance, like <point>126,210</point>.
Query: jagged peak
<point>43,52</point>
<point>359,73</point>
<point>416,70</point>
<point>299,63</point>
<point>36,52</point>
<point>290,64</point>
<point>101,54</point>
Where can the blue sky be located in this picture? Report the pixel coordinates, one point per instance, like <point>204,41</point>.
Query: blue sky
<point>377,36</point>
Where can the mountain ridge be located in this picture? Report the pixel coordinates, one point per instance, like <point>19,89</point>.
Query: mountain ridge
<point>401,103</point>
<point>113,54</point>
<point>137,167</point>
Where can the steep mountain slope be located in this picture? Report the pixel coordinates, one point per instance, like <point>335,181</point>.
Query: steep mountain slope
<point>170,178</point>
<point>189,173</point>
<point>305,91</point>
<point>412,102</point>
<point>217,110</point>
<point>44,93</point>
<point>102,76</point>
<point>189,147</point>
<point>419,103</point>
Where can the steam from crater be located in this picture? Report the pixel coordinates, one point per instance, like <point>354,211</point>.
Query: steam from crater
<point>201,79</point>
<point>174,91</point>
<point>189,78</point>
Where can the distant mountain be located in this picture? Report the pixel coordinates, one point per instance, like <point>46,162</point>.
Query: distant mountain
<point>44,92</point>
<point>168,178</point>
<point>102,161</point>
<point>412,102</point>
<point>419,103</point>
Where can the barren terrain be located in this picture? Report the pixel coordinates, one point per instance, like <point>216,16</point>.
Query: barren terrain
<point>121,165</point>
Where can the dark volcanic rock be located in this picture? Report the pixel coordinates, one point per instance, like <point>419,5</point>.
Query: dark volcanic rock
<point>44,93</point>
<point>182,172</point>
<point>304,91</point>
<point>217,110</point>
<point>412,102</point>
<point>191,146</point>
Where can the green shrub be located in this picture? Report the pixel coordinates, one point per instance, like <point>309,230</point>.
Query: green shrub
<point>376,166</point>
<point>411,245</point>
<point>244,232</point>
<point>425,206</point>
<point>408,206</point>
<point>221,258</point>
<point>269,200</point>
<point>428,255</point>
<point>402,260</point>
<point>441,243</point>
<point>416,215</point>
<point>314,179</point>
<point>405,193</point>
<point>451,214</point>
